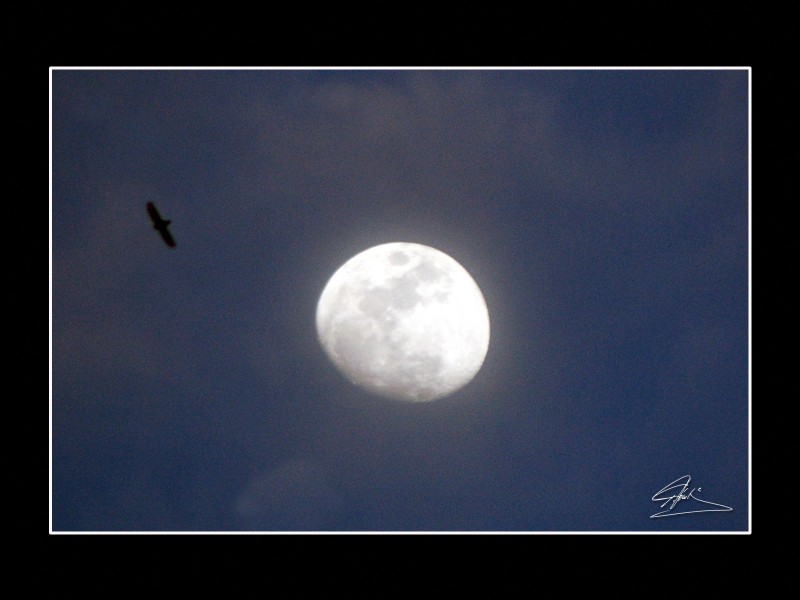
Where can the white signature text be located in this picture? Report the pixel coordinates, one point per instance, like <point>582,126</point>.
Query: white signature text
<point>681,484</point>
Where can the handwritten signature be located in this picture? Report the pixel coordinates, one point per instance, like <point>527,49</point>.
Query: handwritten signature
<point>682,483</point>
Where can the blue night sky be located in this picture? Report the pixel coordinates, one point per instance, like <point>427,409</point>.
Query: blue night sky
<point>603,213</point>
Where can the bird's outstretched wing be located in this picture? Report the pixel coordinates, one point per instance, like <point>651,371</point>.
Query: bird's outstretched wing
<point>166,236</point>
<point>154,216</point>
<point>160,225</point>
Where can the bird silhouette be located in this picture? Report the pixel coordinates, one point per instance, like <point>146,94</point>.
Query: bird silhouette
<point>160,225</point>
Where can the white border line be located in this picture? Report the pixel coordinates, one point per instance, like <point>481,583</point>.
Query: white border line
<point>644,532</point>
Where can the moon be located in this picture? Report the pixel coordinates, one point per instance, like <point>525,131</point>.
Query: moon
<point>404,321</point>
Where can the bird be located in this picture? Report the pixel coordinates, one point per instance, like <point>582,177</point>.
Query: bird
<point>160,225</point>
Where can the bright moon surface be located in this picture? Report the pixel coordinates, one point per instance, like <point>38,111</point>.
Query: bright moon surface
<point>405,321</point>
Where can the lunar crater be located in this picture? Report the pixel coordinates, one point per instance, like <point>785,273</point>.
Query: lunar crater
<point>398,258</point>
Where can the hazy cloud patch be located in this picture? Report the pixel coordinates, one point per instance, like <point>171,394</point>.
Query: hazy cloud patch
<point>296,494</point>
